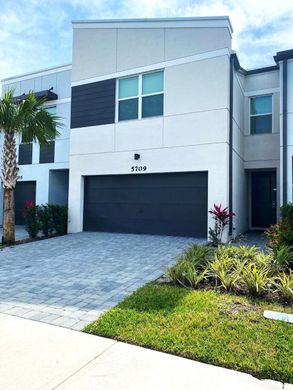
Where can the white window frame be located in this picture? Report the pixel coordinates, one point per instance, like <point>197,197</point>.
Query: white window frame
<point>139,96</point>
<point>267,113</point>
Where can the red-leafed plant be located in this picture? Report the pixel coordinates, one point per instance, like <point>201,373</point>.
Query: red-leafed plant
<point>221,217</point>
<point>31,218</point>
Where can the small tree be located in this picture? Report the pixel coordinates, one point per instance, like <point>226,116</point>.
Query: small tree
<point>29,120</point>
<point>221,217</point>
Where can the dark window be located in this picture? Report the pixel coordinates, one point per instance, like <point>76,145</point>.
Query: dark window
<point>47,153</point>
<point>261,124</point>
<point>128,109</point>
<point>152,105</point>
<point>261,114</point>
<point>25,153</point>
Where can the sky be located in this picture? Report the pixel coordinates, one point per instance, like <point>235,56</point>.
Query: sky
<point>36,34</point>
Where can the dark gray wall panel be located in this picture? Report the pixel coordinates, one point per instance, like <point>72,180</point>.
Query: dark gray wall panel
<point>165,204</point>
<point>24,190</point>
<point>93,104</point>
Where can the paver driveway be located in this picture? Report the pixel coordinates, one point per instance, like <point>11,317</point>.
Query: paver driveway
<point>70,280</point>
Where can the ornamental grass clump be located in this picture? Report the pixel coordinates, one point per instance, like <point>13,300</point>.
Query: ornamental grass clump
<point>223,270</point>
<point>191,268</point>
<point>255,278</point>
<point>284,286</point>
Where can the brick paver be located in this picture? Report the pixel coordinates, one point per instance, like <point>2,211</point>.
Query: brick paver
<point>69,281</point>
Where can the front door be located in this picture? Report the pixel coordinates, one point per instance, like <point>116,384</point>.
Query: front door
<point>263,199</point>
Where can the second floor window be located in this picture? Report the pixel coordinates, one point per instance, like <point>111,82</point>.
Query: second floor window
<point>47,152</point>
<point>25,151</point>
<point>141,96</point>
<point>261,114</point>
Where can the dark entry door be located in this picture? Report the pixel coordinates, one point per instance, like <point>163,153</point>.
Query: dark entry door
<point>164,204</point>
<point>263,198</point>
<point>24,190</point>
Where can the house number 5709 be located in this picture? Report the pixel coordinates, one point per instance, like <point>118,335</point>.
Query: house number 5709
<point>138,168</point>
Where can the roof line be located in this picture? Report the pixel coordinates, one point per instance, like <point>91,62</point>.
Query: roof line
<point>36,72</point>
<point>145,20</point>
<point>245,72</point>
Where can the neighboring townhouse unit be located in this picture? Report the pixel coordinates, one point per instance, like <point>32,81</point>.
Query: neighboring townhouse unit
<point>165,123</point>
<point>43,171</point>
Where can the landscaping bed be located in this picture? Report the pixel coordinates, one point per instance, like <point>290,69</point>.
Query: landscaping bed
<point>209,306</point>
<point>206,325</point>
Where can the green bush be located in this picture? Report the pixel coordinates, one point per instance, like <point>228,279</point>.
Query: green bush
<point>49,219</point>
<point>45,220</point>
<point>30,215</point>
<point>59,215</point>
<point>287,212</point>
<point>281,233</point>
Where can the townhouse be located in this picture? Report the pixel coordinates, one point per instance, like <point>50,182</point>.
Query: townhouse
<point>161,122</point>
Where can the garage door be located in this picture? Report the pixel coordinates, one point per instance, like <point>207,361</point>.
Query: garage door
<point>24,190</point>
<point>164,204</point>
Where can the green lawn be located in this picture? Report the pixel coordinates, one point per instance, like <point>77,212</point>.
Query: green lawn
<point>211,327</point>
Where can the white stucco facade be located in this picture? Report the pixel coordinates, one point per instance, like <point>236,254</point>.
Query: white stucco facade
<point>58,79</point>
<point>200,130</point>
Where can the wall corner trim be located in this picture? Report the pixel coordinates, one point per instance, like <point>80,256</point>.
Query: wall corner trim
<point>285,130</point>
<point>231,101</point>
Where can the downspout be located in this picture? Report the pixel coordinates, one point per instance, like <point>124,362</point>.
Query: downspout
<point>285,168</point>
<point>230,180</point>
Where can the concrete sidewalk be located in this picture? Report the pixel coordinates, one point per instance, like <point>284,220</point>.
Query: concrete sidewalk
<point>35,355</point>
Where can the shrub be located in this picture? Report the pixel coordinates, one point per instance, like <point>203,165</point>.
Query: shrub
<point>221,217</point>
<point>282,232</point>
<point>282,257</point>
<point>30,214</point>
<point>45,220</point>
<point>284,286</point>
<point>287,212</point>
<point>59,216</point>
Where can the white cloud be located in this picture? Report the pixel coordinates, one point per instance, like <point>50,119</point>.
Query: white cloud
<point>35,34</point>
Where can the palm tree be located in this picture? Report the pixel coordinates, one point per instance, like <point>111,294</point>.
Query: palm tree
<point>28,119</point>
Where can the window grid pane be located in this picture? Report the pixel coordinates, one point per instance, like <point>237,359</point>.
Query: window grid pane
<point>152,82</point>
<point>261,105</point>
<point>261,124</point>
<point>128,109</point>
<point>128,87</point>
<point>152,105</point>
